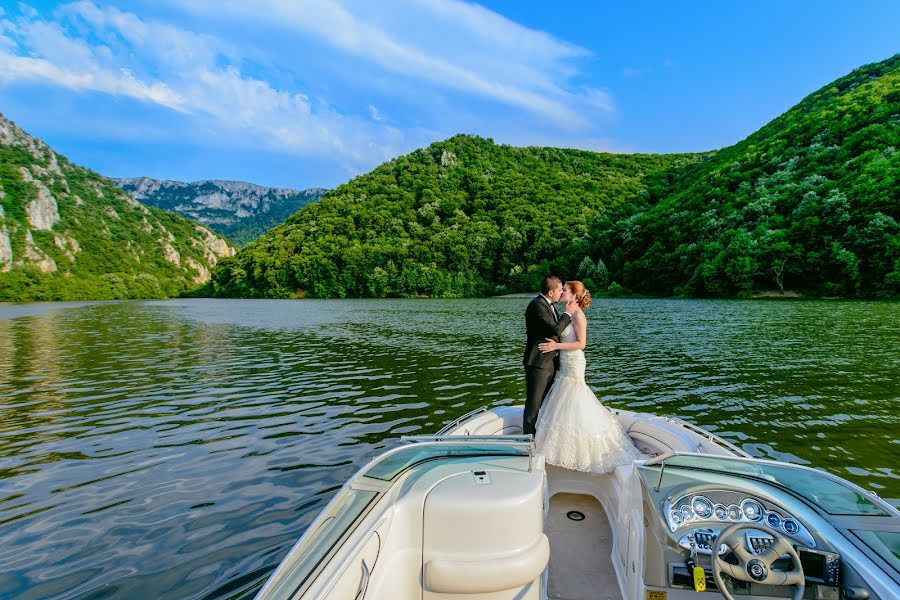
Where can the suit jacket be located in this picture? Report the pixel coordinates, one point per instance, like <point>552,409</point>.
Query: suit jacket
<point>540,325</point>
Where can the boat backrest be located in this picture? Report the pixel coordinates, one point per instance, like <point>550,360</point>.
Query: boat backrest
<point>501,424</point>
<point>483,536</point>
<point>650,432</point>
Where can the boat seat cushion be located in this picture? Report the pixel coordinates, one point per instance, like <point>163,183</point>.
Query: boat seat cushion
<point>653,435</point>
<point>484,533</point>
<point>500,425</point>
<point>481,575</point>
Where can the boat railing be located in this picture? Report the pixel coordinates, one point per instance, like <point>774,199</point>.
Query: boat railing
<point>499,440</point>
<point>496,439</point>
<point>718,440</point>
<point>459,420</point>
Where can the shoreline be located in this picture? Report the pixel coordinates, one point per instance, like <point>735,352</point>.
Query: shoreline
<point>757,296</point>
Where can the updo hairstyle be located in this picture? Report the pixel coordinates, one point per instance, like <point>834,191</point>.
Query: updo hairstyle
<point>582,295</point>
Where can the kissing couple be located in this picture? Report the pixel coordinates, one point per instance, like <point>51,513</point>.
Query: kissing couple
<point>571,427</point>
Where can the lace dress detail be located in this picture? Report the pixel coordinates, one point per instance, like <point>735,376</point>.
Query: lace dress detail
<point>574,430</point>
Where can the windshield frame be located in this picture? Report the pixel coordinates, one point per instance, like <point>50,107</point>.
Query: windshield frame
<point>663,462</point>
<point>861,538</point>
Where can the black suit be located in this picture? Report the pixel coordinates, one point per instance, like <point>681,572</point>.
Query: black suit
<point>540,367</point>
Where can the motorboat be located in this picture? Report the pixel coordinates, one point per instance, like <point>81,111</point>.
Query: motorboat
<point>475,513</point>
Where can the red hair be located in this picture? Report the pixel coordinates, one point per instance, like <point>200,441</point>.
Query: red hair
<point>582,295</point>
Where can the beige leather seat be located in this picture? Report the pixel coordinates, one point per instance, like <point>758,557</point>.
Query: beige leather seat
<point>483,536</point>
<point>650,432</point>
<point>504,424</point>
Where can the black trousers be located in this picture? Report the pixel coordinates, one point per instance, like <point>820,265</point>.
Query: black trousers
<point>537,384</point>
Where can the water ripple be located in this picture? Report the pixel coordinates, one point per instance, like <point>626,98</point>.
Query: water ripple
<point>178,449</point>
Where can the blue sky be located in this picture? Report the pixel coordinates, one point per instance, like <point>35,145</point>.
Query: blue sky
<point>303,93</point>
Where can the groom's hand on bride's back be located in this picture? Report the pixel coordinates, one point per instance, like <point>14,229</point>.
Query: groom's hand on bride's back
<point>549,345</point>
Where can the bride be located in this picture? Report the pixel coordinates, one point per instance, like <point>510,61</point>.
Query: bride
<point>574,430</point>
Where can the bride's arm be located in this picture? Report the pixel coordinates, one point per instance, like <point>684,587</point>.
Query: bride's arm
<point>580,325</point>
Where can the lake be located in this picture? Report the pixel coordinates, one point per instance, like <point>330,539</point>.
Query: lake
<point>178,449</point>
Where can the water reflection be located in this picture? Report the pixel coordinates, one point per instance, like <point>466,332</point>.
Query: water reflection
<point>178,449</point>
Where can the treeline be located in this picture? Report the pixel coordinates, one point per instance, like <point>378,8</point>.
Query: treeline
<point>463,217</point>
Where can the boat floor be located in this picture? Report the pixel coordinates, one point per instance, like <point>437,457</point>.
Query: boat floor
<point>580,563</point>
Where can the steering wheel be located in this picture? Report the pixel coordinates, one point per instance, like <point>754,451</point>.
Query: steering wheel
<point>756,568</point>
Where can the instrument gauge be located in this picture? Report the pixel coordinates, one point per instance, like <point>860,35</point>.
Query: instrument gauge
<point>791,526</point>
<point>734,512</point>
<point>773,520</point>
<point>703,508</point>
<point>752,509</point>
<point>686,512</point>
<point>721,512</point>
<point>676,518</point>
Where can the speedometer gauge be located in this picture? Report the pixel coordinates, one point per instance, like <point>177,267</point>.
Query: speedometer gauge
<point>703,508</point>
<point>752,509</point>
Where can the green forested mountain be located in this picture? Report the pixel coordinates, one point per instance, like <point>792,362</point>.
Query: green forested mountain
<point>240,211</point>
<point>461,217</point>
<point>810,202</point>
<point>67,233</point>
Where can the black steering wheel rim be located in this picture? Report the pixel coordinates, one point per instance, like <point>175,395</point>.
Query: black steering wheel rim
<point>756,568</point>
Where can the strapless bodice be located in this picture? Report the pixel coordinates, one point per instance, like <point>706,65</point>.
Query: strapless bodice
<point>571,362</point>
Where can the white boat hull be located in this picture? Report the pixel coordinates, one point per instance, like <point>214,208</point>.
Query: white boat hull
<point>474,513</point>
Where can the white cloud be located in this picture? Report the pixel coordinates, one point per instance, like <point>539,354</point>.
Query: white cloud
<point>202,77</point>
<point>480,52</point>
<point>535,58</point>
<point>248,91</point>
<point>88,77</point>
<point>58,59</point>
<point>163,43</point>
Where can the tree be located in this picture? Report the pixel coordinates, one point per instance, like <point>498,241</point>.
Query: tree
<point>601,274</point>
<point>585,268</point>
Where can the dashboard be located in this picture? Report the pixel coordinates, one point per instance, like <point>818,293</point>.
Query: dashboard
<point>702,515</point>
<point>699,517</point>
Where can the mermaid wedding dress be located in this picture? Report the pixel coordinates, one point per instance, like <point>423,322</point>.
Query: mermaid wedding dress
<point>574,430</point>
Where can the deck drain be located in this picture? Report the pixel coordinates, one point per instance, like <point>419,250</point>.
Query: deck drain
<point>574,515</point>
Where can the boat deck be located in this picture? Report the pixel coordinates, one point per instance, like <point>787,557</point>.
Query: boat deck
<point>580,564</point>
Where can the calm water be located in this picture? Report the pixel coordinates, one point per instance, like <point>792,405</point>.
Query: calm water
<point>178,449</point>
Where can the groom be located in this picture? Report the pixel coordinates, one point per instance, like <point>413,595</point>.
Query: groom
<point>541,321</point>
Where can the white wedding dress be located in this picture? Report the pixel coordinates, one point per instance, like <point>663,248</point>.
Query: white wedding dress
<point>574,430</point>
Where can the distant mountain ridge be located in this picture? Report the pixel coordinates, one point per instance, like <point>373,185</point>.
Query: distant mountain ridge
<point>67,233</point>
<point>241,211</point>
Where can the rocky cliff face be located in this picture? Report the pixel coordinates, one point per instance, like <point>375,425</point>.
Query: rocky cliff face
<point>241,211</point>
<point>68,233</point>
